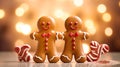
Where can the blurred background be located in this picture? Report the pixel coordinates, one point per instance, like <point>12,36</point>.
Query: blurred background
<point>18,18</point>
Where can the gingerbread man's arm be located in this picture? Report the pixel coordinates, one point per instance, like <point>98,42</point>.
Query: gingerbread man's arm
<point>84,35</point>
<point>34,36</point>
<point>59,35</point>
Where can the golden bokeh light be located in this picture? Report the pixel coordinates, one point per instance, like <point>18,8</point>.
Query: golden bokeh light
<point>26,29</point>
<point>23,28</point>
<point>89,24</point>
<point>2,13</point>
<point>24,6</point>
<point>19,11</point>
<point>101,8</point>
<point>86,48</point>
<point>78,3</point>
<point>108,31</point>
<point>106,17</point>
<point>19,26</point>
<point>59,13</point>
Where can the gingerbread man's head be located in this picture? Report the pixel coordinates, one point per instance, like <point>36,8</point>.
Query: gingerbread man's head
<point>73,23</point>
<point>46,23</point>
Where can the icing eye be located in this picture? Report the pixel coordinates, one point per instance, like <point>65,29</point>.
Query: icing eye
<point>48,23</point>
<point>76,23</point>
<point>70,23</point>
<point>43,23</point>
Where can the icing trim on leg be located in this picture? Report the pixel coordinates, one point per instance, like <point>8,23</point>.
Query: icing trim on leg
<point>53,58</point>
<point>80,57</point>
<point>38,57</point>
<point>66,57</point>
<point>34,35</point>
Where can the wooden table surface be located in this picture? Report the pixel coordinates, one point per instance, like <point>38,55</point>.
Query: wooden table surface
<point>9,59</point>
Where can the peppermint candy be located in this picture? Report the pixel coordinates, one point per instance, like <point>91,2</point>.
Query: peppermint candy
<point>23,54</point>
<point>96,51</point>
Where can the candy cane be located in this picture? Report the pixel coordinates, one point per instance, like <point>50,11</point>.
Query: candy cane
<point>23,54</point>
<point>96,51</point>
<point>104,48</point>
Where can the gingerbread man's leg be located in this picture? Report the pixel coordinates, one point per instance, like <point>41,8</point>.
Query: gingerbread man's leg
<point>39,57</point>
<point>52,56</point>
<point>80,57</point>
<point>66,57</point>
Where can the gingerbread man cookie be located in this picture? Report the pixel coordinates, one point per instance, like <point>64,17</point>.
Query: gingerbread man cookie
<point>46,37</point>
<point>73,40</point>
<point>96,51</point>
<point>23,54</point>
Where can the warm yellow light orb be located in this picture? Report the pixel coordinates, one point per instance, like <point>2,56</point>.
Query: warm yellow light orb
<point>19,11</point>
<point>89,24</point>
<point>23,28</point>
<point>26,29</point>
<point>86,48</point>
<point>101,8</point>
<point>24,6</point>
<point>108,31</point>
<point>78,3</point>
<point>106,17</point>
<point>2,13</point>
<point>19,26</point>
<point>59,13</point>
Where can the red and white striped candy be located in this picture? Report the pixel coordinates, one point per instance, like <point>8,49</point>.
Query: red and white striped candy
<point>96,51</point>
<point>104,48</point>
<point>23,54</point>
<point>94,45</point>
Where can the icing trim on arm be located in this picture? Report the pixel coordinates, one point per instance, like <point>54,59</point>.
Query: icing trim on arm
<point>84,34</point>
<point>57,34</point>
<point>62,34</point>
<point>34,35</point>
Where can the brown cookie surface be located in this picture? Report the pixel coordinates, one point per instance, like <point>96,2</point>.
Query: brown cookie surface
<point>73,40</point>
<point>46,37</point>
